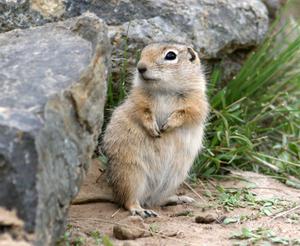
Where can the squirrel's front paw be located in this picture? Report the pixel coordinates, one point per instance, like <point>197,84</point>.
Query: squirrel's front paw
<point>166,127</point>
<point>174,120</point>
<point>153,130</point>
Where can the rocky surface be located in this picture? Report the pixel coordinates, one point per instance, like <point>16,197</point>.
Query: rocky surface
<point>213,27</point>
<point>216,28</point>
<point>53,87</point>
<point>18,14</point>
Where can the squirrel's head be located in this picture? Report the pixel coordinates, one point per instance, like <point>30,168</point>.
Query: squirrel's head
<point>169,67</point>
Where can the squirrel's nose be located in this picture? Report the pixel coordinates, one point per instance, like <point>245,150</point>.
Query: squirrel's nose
<point>142,68</point>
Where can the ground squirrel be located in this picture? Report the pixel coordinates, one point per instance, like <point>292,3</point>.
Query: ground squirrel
<point>153,138</point>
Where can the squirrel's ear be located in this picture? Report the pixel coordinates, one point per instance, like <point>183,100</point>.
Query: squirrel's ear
<point>192,53</point>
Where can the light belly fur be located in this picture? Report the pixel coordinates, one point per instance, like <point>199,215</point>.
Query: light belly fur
<point>168,161</point>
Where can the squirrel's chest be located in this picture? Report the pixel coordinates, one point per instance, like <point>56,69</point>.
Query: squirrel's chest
<point>163,107</point>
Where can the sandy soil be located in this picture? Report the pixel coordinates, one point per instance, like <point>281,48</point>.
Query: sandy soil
<point>11,229</point>
<point>167,229</point>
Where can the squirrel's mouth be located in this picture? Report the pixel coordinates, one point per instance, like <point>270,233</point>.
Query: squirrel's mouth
<point>147,78</point>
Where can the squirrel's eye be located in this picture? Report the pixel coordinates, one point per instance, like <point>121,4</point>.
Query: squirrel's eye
<point>170,56</point>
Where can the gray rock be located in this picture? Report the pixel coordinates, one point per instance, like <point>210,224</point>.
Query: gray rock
<point>216,28</point>
<point>212,26</point>
<point>18,14</point>
<point>53,87</point>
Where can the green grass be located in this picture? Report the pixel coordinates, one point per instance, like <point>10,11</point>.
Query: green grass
<point>230,199</point>
<point>71,238</point>
<point>255,118</point>
<point>261,236</point>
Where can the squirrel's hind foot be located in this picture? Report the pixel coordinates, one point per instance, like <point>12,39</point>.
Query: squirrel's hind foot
<point>144,213</point>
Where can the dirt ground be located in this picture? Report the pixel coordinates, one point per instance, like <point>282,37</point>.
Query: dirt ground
<point>12,229</point>
<point>268,211</point>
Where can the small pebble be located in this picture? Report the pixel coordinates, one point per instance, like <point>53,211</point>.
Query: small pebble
<point>208,219</point>
<point>132,228</point>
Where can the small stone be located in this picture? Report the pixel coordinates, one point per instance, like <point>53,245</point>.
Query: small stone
<point>208,219</point>
<point>129,228</point>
